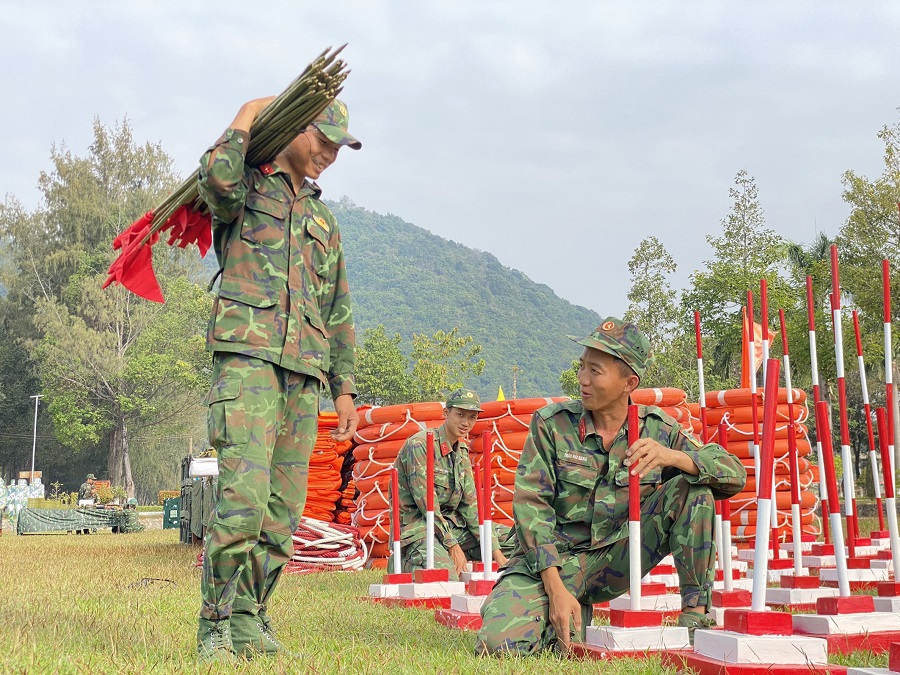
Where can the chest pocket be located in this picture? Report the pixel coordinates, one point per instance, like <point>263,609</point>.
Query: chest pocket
<point>648,483</point>
<point>264,221</point>
<point>575,491</point>
<point>318,231</point>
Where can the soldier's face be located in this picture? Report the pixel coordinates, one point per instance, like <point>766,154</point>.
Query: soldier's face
<point>459,421</point>
<point>312,152</point>
<point>603,380</point>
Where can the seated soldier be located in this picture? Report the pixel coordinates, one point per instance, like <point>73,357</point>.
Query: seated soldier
<point>570,507</point>
<point>456,536</point>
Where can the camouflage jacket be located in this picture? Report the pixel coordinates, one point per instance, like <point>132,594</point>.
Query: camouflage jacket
<point>86,491</point>
<point>572,494</point>
<point>455,505</point>
<point>284,295</point>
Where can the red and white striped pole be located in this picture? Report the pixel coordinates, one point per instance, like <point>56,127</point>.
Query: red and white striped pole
<point>634,515</point>
<point>823,431</point>
<point>754,405</point>
<point>888,365</point>
<point>846,452</point>
<point>479,499</point>
<point>764,483</point>
<point>889,500</point>
<point>814,369</point>
<point>796,528</point>
<point>873,455</point>
<point>704,432</point>
<point>488,505</point>
<point>764,320</point>
<point>395,520</point>
<point>429,500</point>
<point>726,520</point>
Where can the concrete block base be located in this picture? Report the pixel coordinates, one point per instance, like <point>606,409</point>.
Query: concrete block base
<point>432,589</point>
<point>458,620</point>
<point>705,665</point>
<point>383,590</point>
<point>822,625</point>
<point>669,602</point>
<point>730,647</point>
<point>638,639</point>
<point>419,603</point>
<point>798,598</point>
<point>467,604</point>
<point>889,604</point>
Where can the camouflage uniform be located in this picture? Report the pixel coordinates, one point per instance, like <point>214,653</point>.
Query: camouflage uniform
<point>86,491</point>
<point>570,510</point>
<point>456,508</point>
<point>281,328</point>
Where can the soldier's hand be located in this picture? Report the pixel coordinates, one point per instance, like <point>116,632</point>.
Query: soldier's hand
<point>648,454</point>
<point>249,112</point>
<point>499,558</point>
<point>458,557</point>
<point>348,418</point>
<point>565,610</point>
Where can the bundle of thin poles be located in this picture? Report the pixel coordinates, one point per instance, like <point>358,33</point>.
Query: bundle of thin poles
<point>185,215</point>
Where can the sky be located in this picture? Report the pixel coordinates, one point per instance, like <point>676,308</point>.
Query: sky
<point>554,135</point>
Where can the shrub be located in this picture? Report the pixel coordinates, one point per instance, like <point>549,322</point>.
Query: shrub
<point>166,494</point>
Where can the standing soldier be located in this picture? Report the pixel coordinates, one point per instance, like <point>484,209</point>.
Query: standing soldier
<point>570,508</point>
<point>87,492</point>
<point>281,329</point>
<point>455,506</point>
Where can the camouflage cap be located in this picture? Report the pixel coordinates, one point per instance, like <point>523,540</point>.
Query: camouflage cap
<point>91,476</point>
<point>132,501</point>
<point>465,399</point>
<point>333,122</point>
<point>621,339</point>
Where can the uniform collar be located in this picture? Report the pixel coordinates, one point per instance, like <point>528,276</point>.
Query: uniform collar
<point>586,423</point>
<point>440,438</point>
<point>308,187</point>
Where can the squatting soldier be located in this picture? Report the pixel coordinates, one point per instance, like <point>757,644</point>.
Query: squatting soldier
<point>281,329</point>
<point>570,508</point>
<point>456,536</point>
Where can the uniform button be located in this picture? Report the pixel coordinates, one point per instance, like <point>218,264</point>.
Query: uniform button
<point>240,139</point>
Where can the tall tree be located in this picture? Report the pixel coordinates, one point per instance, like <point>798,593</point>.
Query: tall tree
<point>745,252</point>
<point>382,370</point>
<point>651,298</point>
<point>653,308</point>
<point>108,362</point>
<point>443,362</point>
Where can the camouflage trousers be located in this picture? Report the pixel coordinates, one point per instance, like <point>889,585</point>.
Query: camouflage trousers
<point>262,422</point>
<point>677,518</point>
<point>413,556</point>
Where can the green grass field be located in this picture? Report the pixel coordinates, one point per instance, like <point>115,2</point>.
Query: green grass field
<point>128,604</point>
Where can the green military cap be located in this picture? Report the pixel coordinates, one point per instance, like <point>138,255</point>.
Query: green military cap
<point>91,476</point>
<point>333,122</point>
<point>465,399</point>
<point>132,502</point>
<point>621,339</point>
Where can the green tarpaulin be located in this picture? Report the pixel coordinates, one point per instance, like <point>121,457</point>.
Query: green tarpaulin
<point>56,520</point>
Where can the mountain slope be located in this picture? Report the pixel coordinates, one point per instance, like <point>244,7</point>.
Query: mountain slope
<point>413,281</point>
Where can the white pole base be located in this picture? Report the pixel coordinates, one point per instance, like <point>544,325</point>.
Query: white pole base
<point>657,638</point>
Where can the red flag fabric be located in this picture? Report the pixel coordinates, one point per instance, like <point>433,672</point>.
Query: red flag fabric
<point>134,266</point>
<point>757,349</point>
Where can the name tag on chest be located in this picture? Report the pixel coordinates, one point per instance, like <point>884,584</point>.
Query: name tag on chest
<point>570,456</point>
